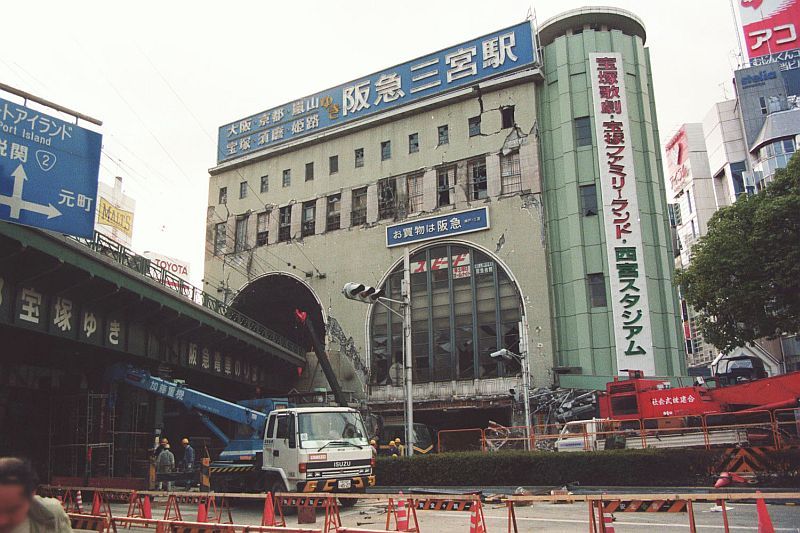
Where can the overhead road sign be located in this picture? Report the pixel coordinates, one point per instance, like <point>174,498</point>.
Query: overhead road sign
<point>48,171</point>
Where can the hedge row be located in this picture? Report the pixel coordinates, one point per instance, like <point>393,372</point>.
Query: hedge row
<point>649,467</point>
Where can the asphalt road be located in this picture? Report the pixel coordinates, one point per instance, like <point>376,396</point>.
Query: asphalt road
<point>539,517</point>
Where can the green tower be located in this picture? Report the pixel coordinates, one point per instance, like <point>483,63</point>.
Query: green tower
<point>609,251</point>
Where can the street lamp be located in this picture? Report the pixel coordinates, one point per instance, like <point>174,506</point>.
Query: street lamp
<point>507,355</point>
<point>370,295</point>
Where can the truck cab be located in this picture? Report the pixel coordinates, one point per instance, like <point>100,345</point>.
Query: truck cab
<point>317,449</point>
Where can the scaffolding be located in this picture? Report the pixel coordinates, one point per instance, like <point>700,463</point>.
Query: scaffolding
<point>80,438</point>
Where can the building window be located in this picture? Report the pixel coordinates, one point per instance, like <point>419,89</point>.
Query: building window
<point>678,215</point>
<point>223,195</point>
<point>694,229</point>
<point>597,289</point>
<point>243,190</point>
<point>334,213</point>
<point>358,214</point>
<point>444,135</point>
<point>285,224</point>
<point>474,126</point>
<point>465,307</point>
<point>689,200</point>
<point>333,164</point>
<point>762,102</point>
<point>416,195</point>
<point>220,234</point>
<point>445,186</point>
<point>386,150</point>
<point>507,117</point>
<point>583,131</point>
<point>309,171</point>
<point>510,173</point>
<point>589,200</point>
<point>287,177</point>
<point>413,143</point>
<point>240,238</point>
<point>262,228</point>
<point>359,155</point>
<point>476,170</point>
<point>387,198</point>
<point>309,219</point>
<point>264,184</point>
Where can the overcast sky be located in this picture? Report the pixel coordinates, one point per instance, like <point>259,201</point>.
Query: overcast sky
<point>163,76</point>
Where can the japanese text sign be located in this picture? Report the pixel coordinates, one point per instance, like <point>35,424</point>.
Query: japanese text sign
<point>458,66</point>
<point>770,26</point>
<point>678,164</point>
<point>446,225</point>
<point>48,171</point>
<point>626,263</point>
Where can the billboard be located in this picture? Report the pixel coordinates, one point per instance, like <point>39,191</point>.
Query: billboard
<point>678,164</point>
<point>174,266</point>
<point>48,171</point>
<point>626,262</point>
<point>458,66</point>
<point>111,215</point>
<point>770,26</point>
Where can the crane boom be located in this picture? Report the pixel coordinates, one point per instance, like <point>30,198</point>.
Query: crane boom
<point>199,402</point>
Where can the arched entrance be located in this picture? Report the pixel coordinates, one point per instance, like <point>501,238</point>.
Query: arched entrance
<point>464,307</point>
<point>272,300</point>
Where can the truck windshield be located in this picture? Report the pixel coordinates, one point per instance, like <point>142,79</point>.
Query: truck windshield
<point>317,429</point>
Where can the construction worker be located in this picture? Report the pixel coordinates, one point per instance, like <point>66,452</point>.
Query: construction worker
<point>165,463</point>
<point>20,510</point>
<point>160,448</point>
<point>187,463</point>
<point>393,451</point>
<point>400,447</point>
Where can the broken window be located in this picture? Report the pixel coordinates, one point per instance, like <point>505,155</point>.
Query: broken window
<point>223,195</point>
<point>309,171</point>
<point>474,126</point>
<point>507,117</point>
<point>240,237</point>
<point>510,173</point>
<point>416,195</point>
<point>287,177</point>
<point>262,228</point>
<point>445,185</point>
<point>285,224</point>
<point>264,184</point>
<point>309,225</point>
<point>243,190</point>
<point>386,150</point>
<point>333,164</point>
<point>334,215</point>
<point>359,156</point>
<point>220,234</point>
<point>358,214</point>
<point>387,198</point>
<point>476,170</point>
<point>444,135</point>
<point>413,143</point>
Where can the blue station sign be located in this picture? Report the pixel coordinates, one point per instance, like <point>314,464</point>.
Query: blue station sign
<point>48,171</point>
<point>446,225</point>
<point>462,65</point>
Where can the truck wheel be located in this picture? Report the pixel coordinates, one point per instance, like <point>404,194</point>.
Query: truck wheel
<point>347,503</point>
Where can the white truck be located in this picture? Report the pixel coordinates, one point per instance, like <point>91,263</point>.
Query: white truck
<point>317,449</point>
<point>592,435</point>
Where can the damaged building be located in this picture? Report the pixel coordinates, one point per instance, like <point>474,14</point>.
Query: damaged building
<point>482,161</point>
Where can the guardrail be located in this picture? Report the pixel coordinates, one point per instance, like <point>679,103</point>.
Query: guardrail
<point>779,429</point>
<point>126,257</point>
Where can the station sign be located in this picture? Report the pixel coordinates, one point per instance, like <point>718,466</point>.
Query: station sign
<point>446,225</point>
<point>465,64</point>
<point>48,171</point>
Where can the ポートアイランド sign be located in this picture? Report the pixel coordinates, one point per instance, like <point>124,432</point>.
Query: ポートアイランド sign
<point>48,171</point>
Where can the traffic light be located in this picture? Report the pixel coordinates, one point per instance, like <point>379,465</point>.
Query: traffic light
<point>362,293</point>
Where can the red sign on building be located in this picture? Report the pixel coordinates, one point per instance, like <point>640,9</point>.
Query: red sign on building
<point>770,26</point>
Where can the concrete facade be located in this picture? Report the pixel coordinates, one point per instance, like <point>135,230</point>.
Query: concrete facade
<point>526,279</point>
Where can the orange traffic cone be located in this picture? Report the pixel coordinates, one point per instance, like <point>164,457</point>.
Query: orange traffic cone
<point>202,512</point>
<point>96,503</point>
<point>268,518</point>
<point>764,521</point>
<point>476,519</point>
<point>402,514</point>
<point>147,511</point>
